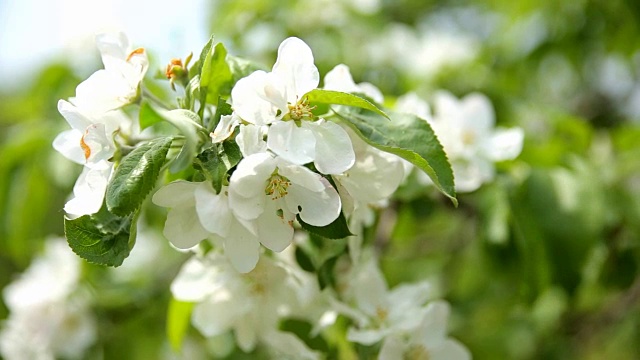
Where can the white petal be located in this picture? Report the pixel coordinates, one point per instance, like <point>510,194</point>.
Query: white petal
<point>294,144</point>
<point>183,228</point>
<point>371,91</point>
<point>246,333</point>
<point>374,176</point>
<point>248,208</point>
<point>251,139</point>
<point>259,98</point>
<point>339,79</point>
<point>104,91</point>
<point>392,349</point>
<point>196,280</point>
<point>409,296</point>
<point>411,103</point>
<point>225,128</point>
<point>333,151</point>
<point>295,65</point>
<point>112,46</point>
<point>450,349</point>
<point>216,317</point>
<point>288,345</point>
<point>433,329</point>
<point>88,191</point>
<point>300,175</point>
<point>276,233</point>
<point>67,143</point>
<point>505,144</point>
<point>478,113</point>
<point>213,209</point>
<point>317,208</point>
<point>249,178</point>
<point>470,175</point>
<point>366,337</point>
<point>241,247</point>
<point>176,193</point>
<point>74,117</point>
<point>97,144</point>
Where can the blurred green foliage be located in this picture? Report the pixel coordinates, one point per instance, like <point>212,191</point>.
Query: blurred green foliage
<point>543,263</point>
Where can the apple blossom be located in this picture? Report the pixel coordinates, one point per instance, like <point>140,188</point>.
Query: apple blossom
<point>198,213</point>
<point>49,318</point>
<point>277,99</point>
<point>271,191</point>
<point>118,83</point>
<point>340,79</point>
<point>89,142</point>
<point>428,341</point>
<point>250,304</point>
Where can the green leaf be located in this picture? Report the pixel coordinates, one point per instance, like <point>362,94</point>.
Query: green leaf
<point>408,137</point>
<point>223,108</point>
<point>178,319</point>
<point>188,123</point>
<point>216,161</point>
<point>341,98</point>
<point>202,59</point>
<point>241,67</point>
<point>338,229</point>
<point>148,116</point>
<point>102,238</point>
<point>216,78</point>
<point>136,175</point>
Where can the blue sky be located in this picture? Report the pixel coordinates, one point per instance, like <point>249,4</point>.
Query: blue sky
<point>34,32</point>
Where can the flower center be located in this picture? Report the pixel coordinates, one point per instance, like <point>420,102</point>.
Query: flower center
<point>301,110</point>
<point>417,352</point>
<point>85,148</point>
<point>277,186</point>
<point>138,51</point>
<point>468,137</point>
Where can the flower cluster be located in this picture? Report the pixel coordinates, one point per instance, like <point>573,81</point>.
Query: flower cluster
<point>295,165</point>
<point>49,315</point>
<point>95,118</point>
<point>263,160</point>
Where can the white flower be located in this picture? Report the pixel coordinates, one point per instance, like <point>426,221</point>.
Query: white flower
<point>377,311</point>
<point>250,304</point>
<point>118,83</point>
<point>198,213</point>
<point>88,142</point>
<point>428,341</point>
<point>48,318</point>
<point>367,185</point>
<point>271,191</point>
<point>466,130</point>
<point>340,79</point>
<point>277,99</point>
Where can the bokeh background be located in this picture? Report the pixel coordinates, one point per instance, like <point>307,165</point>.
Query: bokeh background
<point>542,263</point>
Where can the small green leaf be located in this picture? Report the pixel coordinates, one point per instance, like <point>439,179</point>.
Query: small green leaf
<point>408,137</point>
<point>215,161</point>
<point>198,67</point>
<point>241,67</point>
<point>338,229</point>
<point>188,123</point>
<point>341,98</point>
<point>178,319</point>
<point>136,175</point>
<point>102,238</point>
<point>219,77</point>
<point>148,116</point>
<point>223,108</point>
<point>210,163</point>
